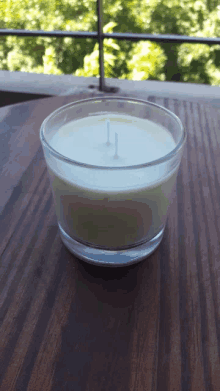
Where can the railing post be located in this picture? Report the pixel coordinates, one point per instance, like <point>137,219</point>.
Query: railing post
<point>102,86</point>
<point>100,41</point>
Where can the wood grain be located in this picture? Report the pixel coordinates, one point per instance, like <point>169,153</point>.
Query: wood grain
<point>67,325</point>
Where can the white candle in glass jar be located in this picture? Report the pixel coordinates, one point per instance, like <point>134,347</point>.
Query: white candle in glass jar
<point>111,208</point>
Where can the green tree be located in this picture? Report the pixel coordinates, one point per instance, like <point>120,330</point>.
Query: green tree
<point>91,61</point>
<point>165,61</point>
<point>34,54</point>
<point>147,62</point>
<point>200,63</point>
<point>124,59</point>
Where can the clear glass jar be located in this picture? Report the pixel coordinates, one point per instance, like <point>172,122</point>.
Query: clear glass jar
<point>113,164</point>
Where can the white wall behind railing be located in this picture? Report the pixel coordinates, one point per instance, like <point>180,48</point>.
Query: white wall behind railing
<point>68,84</point>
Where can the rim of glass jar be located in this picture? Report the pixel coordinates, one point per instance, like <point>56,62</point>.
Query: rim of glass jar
<point>92,166</point>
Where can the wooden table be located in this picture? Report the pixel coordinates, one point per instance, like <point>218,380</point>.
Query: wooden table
<point>68,325</point>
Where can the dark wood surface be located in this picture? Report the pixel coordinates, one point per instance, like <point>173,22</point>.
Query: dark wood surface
<point>11,97</point>
<point>67,325</point>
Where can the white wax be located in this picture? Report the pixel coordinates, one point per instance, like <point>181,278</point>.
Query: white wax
<point>86,140</point>
<point>111,208</point>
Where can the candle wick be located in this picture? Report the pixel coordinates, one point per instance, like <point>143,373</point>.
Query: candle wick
<point>108,131</point>
<point>116,146</point>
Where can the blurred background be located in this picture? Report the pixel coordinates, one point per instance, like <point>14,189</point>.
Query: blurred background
<point>143,60</point>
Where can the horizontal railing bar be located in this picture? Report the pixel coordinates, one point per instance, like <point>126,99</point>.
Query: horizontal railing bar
<point>163,38</point>
<point>42,33</point>
<point>166,38</point>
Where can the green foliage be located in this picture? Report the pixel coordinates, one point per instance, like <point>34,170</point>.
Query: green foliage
<point>123,59</point>
<point>91,61</point>
<point>147,61</point>
<point>65,55</point>
<point>200,63</point>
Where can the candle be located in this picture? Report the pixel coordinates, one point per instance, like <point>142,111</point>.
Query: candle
<point>105,210</point>
<point>92,140</point>
<point>112,172</point>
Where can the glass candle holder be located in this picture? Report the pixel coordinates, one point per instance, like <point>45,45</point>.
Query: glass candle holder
<point>112,164</point>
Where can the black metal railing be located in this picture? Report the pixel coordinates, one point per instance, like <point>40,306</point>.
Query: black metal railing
<point>100,36</point>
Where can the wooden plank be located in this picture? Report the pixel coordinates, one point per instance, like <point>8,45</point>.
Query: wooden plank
<point>69,325</point>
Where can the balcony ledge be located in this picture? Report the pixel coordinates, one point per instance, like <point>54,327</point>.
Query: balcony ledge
<point>23,82</point>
